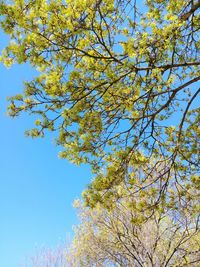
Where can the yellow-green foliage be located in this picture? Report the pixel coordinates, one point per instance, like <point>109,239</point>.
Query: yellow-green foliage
<point>118,81</point>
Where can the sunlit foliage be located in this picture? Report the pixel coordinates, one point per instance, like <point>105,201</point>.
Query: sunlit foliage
<point>118,82</point>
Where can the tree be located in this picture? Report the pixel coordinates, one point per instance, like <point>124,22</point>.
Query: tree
<point>119,238</point>
<point>123,237</point>
<point>55,257</point>
<point>118,81</point>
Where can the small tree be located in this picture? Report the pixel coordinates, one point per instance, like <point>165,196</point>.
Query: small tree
<point>55,257</point>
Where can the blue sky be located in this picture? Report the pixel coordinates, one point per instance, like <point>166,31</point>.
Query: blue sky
<point>36,187</point>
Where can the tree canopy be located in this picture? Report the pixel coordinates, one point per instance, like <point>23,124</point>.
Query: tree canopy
<point>118,82</point>
<point>117,238</point>
<point>125,237</point>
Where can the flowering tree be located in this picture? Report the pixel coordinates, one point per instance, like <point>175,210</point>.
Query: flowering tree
<point>119,238</point>
<point>55,257</point>
<point>122,236</point>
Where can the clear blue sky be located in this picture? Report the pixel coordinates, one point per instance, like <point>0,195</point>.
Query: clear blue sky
<point>36,187</point>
